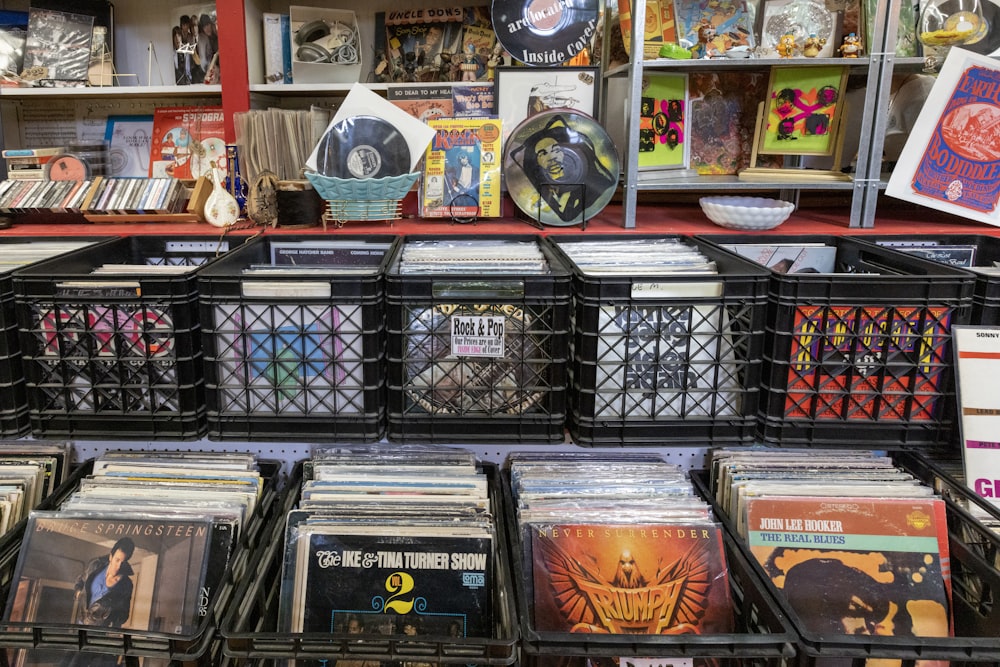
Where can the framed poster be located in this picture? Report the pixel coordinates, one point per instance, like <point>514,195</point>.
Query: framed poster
<point>522,92</point>
<point>951,160</point>
<point>802,111</point>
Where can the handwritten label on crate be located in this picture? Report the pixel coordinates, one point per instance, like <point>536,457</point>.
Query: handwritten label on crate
<point>656,662</point>
<point>477,335</point>
<point>675,290</point>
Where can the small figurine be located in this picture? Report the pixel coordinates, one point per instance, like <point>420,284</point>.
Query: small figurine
<point>704,48</point>
<point>470,63</point>
<point>497,59</point>
<point>786,46</point>
<point>851,48</point>
<point>812,46</point>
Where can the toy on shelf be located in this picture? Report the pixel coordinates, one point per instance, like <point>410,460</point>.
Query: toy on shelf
<point>812,46</point>
<point>786,46</point>
<point>851,48</point>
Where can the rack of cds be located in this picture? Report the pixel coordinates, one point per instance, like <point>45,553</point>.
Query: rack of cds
<point>110,338</point>
<point>478,340</point>
<point>858,342</point>
<point>17,253</point>
<point>388,555</point>
<point>890,561</point>
<point>668,335</point>
<point>294,339</point>
<point>138,561</point>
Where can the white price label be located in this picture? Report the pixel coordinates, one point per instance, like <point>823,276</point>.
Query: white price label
<point>656,662</point>
<point>477,335</point>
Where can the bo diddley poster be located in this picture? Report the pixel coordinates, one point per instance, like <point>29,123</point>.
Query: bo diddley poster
<point>951,161</point>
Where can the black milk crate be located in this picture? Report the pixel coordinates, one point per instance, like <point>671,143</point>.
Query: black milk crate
<point>974,553</point>
<point>296,355</point>
<point>667,358</point>
<point>762,635</point>
<point>116,354</point>
<point>857,356</point>
<point>436,395</point>
<point>14,421</point>
<point>986,298</point>
<point>249,627</point>
<point>60,642</point>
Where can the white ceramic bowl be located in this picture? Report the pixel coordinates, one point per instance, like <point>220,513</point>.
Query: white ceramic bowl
<point>746,212</point>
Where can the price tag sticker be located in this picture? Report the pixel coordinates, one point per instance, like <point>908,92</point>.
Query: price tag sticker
<point>656,662</point>
<point>477,335</point>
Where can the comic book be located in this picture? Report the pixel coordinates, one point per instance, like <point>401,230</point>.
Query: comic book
<point>462,169</point>
<point>867,362</point>
<point>857,565</point>
<point>657,579</point>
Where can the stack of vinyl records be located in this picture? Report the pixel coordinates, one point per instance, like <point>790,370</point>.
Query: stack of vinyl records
<point>390,542</point>
<point>142,546</point>
<point>854,544</point>
<point>30,472</point>
<point>604,535</point>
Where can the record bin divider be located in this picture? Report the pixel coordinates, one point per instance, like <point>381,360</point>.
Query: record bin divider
<point>545,298</point>
<point>974,573</point>
<point>120,353</point>
<point>802,304</point>
<point>764,639</point>
<point>220,286</point>
<point>14,418</point>
<point>740,308</point>
<point>249,634</point>
<point>200,648</point>
<point>986,299</point>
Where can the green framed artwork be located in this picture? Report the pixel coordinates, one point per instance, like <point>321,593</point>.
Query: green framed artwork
<point>663,122</point>
<point>802,111</point>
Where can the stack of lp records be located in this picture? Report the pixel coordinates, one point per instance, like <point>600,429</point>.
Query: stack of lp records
<point>143,545</point>
<point>390,542</point>
<point>605,534</point>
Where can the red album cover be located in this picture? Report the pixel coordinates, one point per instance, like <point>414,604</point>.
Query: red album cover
<point>187,141</point>
<point>630,579</point>
<point>867,362</point>
<point>856,565</point>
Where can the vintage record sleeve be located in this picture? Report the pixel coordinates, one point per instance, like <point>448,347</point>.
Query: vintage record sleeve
<point>860,565</point>
<point>186,140</point>
<point>629,578</point>
<point>867,362</point>
<point>430,581</point>
<point>157,588</point>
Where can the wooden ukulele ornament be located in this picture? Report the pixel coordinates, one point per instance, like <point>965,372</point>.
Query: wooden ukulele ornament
<point>221,208</point>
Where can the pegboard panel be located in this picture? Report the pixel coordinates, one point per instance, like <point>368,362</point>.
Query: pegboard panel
<point>688,458</point>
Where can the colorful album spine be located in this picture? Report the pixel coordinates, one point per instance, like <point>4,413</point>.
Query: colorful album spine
<point>960,166</point>
<point>867,362</point>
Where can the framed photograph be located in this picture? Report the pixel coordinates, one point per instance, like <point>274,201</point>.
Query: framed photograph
<point>522,92</point>
<point>802,111</point>
<point>802,19</point>
<point>949,161</point>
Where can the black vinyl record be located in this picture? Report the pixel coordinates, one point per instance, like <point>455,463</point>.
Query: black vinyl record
<point>363,147</point>
<point>545,32</point>
<point>561,167</point>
